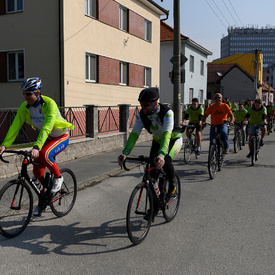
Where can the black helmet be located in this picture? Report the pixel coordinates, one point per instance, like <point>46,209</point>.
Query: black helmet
<point>149,95</point>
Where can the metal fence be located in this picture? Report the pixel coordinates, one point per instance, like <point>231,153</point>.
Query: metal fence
<point>108,122</point>
<point>108,119</point>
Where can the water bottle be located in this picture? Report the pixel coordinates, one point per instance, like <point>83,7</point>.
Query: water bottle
<point>156,187</point>
<point>37,183</point>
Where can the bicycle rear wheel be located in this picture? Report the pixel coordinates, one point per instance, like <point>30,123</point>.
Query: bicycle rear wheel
<point>16,204</point>
<point>212,161</point>
<point>171,206</point>
<point>63,201</point>
<point>188,150</point>
<point>139,213</point>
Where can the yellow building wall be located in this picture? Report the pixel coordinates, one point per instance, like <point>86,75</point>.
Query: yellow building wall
<point>84,34</point>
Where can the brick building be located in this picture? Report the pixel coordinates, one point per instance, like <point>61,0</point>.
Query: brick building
<point>99,52</point>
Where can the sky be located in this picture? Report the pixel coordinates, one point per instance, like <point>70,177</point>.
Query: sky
<point>206,21</point>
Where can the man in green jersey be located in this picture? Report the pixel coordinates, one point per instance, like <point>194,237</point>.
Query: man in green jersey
<point>233,106</point>
<point>256,114</point>
<point>239,117</point>
<point>159,121</point>
<point>248,103</point>
<point>194,113</point>
<point>270,112</point>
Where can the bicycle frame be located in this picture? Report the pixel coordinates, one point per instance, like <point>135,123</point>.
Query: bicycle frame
<point>24,178</point>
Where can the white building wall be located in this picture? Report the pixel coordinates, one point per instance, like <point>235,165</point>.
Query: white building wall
<point>192,79</point>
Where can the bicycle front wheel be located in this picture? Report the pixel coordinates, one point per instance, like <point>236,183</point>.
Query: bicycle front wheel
<point>237,142</point>
<point>220,156</point>
<point>139,213</point>
<point>63,201</point>
<point>253,151</point>
<point>187,150</point>
<point>171,206</point>
<point>16,203</point>
<point>212,161</point>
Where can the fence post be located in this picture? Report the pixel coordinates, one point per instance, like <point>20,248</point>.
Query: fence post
<point>124,120</point>
<point>92,121</point>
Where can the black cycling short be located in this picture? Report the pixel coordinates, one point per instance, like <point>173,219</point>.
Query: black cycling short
<point>198,126</point>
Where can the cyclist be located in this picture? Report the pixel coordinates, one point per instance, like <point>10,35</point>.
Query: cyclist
<point>194,113</point>
<point>256,115</point>
<point>239,116</point>
<point>42,113</point>
<point>270,112</point>
<point>248,103</point>
<point>219,112</point>
<point>233,106</point>
<point>226,101</point>
<point>158,120</point>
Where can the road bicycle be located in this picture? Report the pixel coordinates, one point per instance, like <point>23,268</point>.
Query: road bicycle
<point>269,125</point>
<point>190,144</point>
<point>255,143</point>
<point>239,138</point>
<point>144,203</point>
<point>16,197</point>
<point>216,153</point>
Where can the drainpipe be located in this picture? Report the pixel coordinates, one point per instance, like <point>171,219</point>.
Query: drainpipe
<point>61,54</point>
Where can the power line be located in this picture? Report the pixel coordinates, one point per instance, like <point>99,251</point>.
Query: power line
<point>235,12</point>
<point>221,12</point>
<point>230,13</point>
<point>215,13</point>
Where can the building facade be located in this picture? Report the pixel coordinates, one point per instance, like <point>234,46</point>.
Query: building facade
<point>247,40</point>
<point>195,68</point>
<point>100,52</point>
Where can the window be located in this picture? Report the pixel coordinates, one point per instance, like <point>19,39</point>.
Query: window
<point>90,8</point>
<point>147,30</point>
<point>123,18</point>
<point>14,5</point>
<point>191,94</point>
<point>191,64</point>
<point>123,73</point>
<point>91,67</point>
<point>201,96</point>
<point>16,66</point>
<point>147,77</point>
<point>202,67</point>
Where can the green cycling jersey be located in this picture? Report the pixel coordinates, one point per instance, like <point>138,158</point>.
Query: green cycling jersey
<point>162,132</point>
<point>240,115</point>
<point>194,115</point>
<point>53,119</point>
<point>256,116</point>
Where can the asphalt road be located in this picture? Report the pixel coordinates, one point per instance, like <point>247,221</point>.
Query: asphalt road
<point>224,226</point>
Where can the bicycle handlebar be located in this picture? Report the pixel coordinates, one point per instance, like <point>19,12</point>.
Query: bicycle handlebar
<point>139,158</point>
<point>27,154</point>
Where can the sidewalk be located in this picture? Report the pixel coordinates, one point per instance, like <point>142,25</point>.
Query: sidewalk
<point>93,169</point>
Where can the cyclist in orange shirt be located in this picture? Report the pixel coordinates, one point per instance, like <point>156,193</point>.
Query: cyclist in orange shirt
<point>219,112</point>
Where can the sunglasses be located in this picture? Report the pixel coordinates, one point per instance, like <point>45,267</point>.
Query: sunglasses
<point>217,97</point>
<point>145,104</point>
<point>27,94</point>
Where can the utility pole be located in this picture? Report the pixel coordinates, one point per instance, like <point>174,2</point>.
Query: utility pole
<point>269,77</point>
<point>256,75</point>
<point>177,66</point>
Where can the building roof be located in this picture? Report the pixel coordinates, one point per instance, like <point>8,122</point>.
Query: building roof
<point>216,71</point>
<point>265,87</point>
<point>167,34</point>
